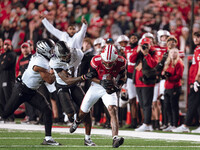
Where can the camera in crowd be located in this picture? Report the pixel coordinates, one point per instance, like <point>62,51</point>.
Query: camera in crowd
<point>145,47</point>
<point>166,75</point>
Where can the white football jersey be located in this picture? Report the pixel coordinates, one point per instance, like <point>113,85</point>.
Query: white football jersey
<point>32,79</point>
<point>71,67</point>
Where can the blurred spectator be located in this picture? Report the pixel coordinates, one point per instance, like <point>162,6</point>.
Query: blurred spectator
<point>97,45</point>
<point>23,64</point>
<point>110,30</point>
<point>173,73</point>
<point>19,36</point>
<point>1,46</point>
<point>88,52</point>
<point>184,44</point>
<point>125,25</point>
<point>7,75</point>
<point>145,59</point>
<point>6,32</point>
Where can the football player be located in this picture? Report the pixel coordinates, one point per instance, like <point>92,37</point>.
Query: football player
<point>108,65</point>
<point>25,90</point>
<point>65,66</point>
<point>133,41</point>
<point>161,49</point>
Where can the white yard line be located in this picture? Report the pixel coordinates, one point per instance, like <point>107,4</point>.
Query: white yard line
<point>107,146</point>
<point>107,132</point>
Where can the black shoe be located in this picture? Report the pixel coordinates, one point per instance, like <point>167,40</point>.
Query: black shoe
<point>117,141</point>
<point>74,126</point>
<point>89,142</point>
<point>50,142</point>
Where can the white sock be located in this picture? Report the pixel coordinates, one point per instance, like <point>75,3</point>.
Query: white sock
<point>115,136</point>
<point>87,137</point>
<point>48,138</point>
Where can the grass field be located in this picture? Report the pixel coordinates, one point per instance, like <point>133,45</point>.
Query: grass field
<point>23,140</point>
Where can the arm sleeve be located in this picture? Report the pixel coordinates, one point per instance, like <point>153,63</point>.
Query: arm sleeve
<point>57,33</point>
<point>151,60</point>
<point>80,35</point>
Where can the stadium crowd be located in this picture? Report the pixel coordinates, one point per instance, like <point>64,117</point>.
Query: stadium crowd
<point>152,35</point>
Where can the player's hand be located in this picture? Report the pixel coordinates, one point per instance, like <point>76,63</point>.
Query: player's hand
<point>83,20</point>
<point>196,85</point>
<point>107,84</point>
<point>89,75</point>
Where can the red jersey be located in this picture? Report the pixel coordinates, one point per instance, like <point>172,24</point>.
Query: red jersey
<point>176,75</point>
<point>128,52</point>
<point>195,65</point>
<point>103,72</point>
<point>160,51</point>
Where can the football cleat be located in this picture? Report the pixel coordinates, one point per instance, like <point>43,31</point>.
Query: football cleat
<point>50,142</point>
<point>74,126</point>
<point>89,142</point>
<point>117,141</point>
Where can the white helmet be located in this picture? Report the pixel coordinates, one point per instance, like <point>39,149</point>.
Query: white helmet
<point>122,38</point>
<point>62,51</point>
<point>45,48</point>
<point>109,56</point>
<point>162,33</point>
<point>103,44</point>
<point>148,35</point>
<point>98,41</point>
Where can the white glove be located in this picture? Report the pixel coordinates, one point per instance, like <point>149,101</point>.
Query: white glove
<point>196,85</point>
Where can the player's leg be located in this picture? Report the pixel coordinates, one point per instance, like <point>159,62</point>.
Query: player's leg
<point>88,101</point>
<point>77,95</point>
<point>110,101</point>
<point>132,101</point>
<point>40,102</point>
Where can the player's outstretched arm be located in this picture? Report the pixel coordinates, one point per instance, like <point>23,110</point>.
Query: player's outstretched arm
<point>45,74</point>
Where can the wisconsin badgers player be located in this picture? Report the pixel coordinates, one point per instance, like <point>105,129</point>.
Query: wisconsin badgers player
<point>161,49</point>
<point>133,41</point>
<point>107,65</point>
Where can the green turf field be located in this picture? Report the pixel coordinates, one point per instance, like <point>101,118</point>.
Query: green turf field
<point>23,140</point>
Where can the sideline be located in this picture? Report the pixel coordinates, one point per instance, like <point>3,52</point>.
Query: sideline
<point>107,132</point>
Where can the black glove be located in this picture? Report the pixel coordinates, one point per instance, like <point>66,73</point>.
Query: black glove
<point>89,75</point>
<point>19,78</point>
<point>107,84</point>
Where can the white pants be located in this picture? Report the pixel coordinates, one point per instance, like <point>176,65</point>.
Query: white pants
<point>93,94</point>
<point>159,89</point>
<point>131,88</point>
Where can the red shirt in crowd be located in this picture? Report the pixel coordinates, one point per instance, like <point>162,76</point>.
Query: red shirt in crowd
<point>151,62</point>
<point>176,75</point>
<point>195,65</point>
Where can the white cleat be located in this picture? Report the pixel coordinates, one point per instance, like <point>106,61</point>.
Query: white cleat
<point>196,130</point>
<point>182,128</point>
